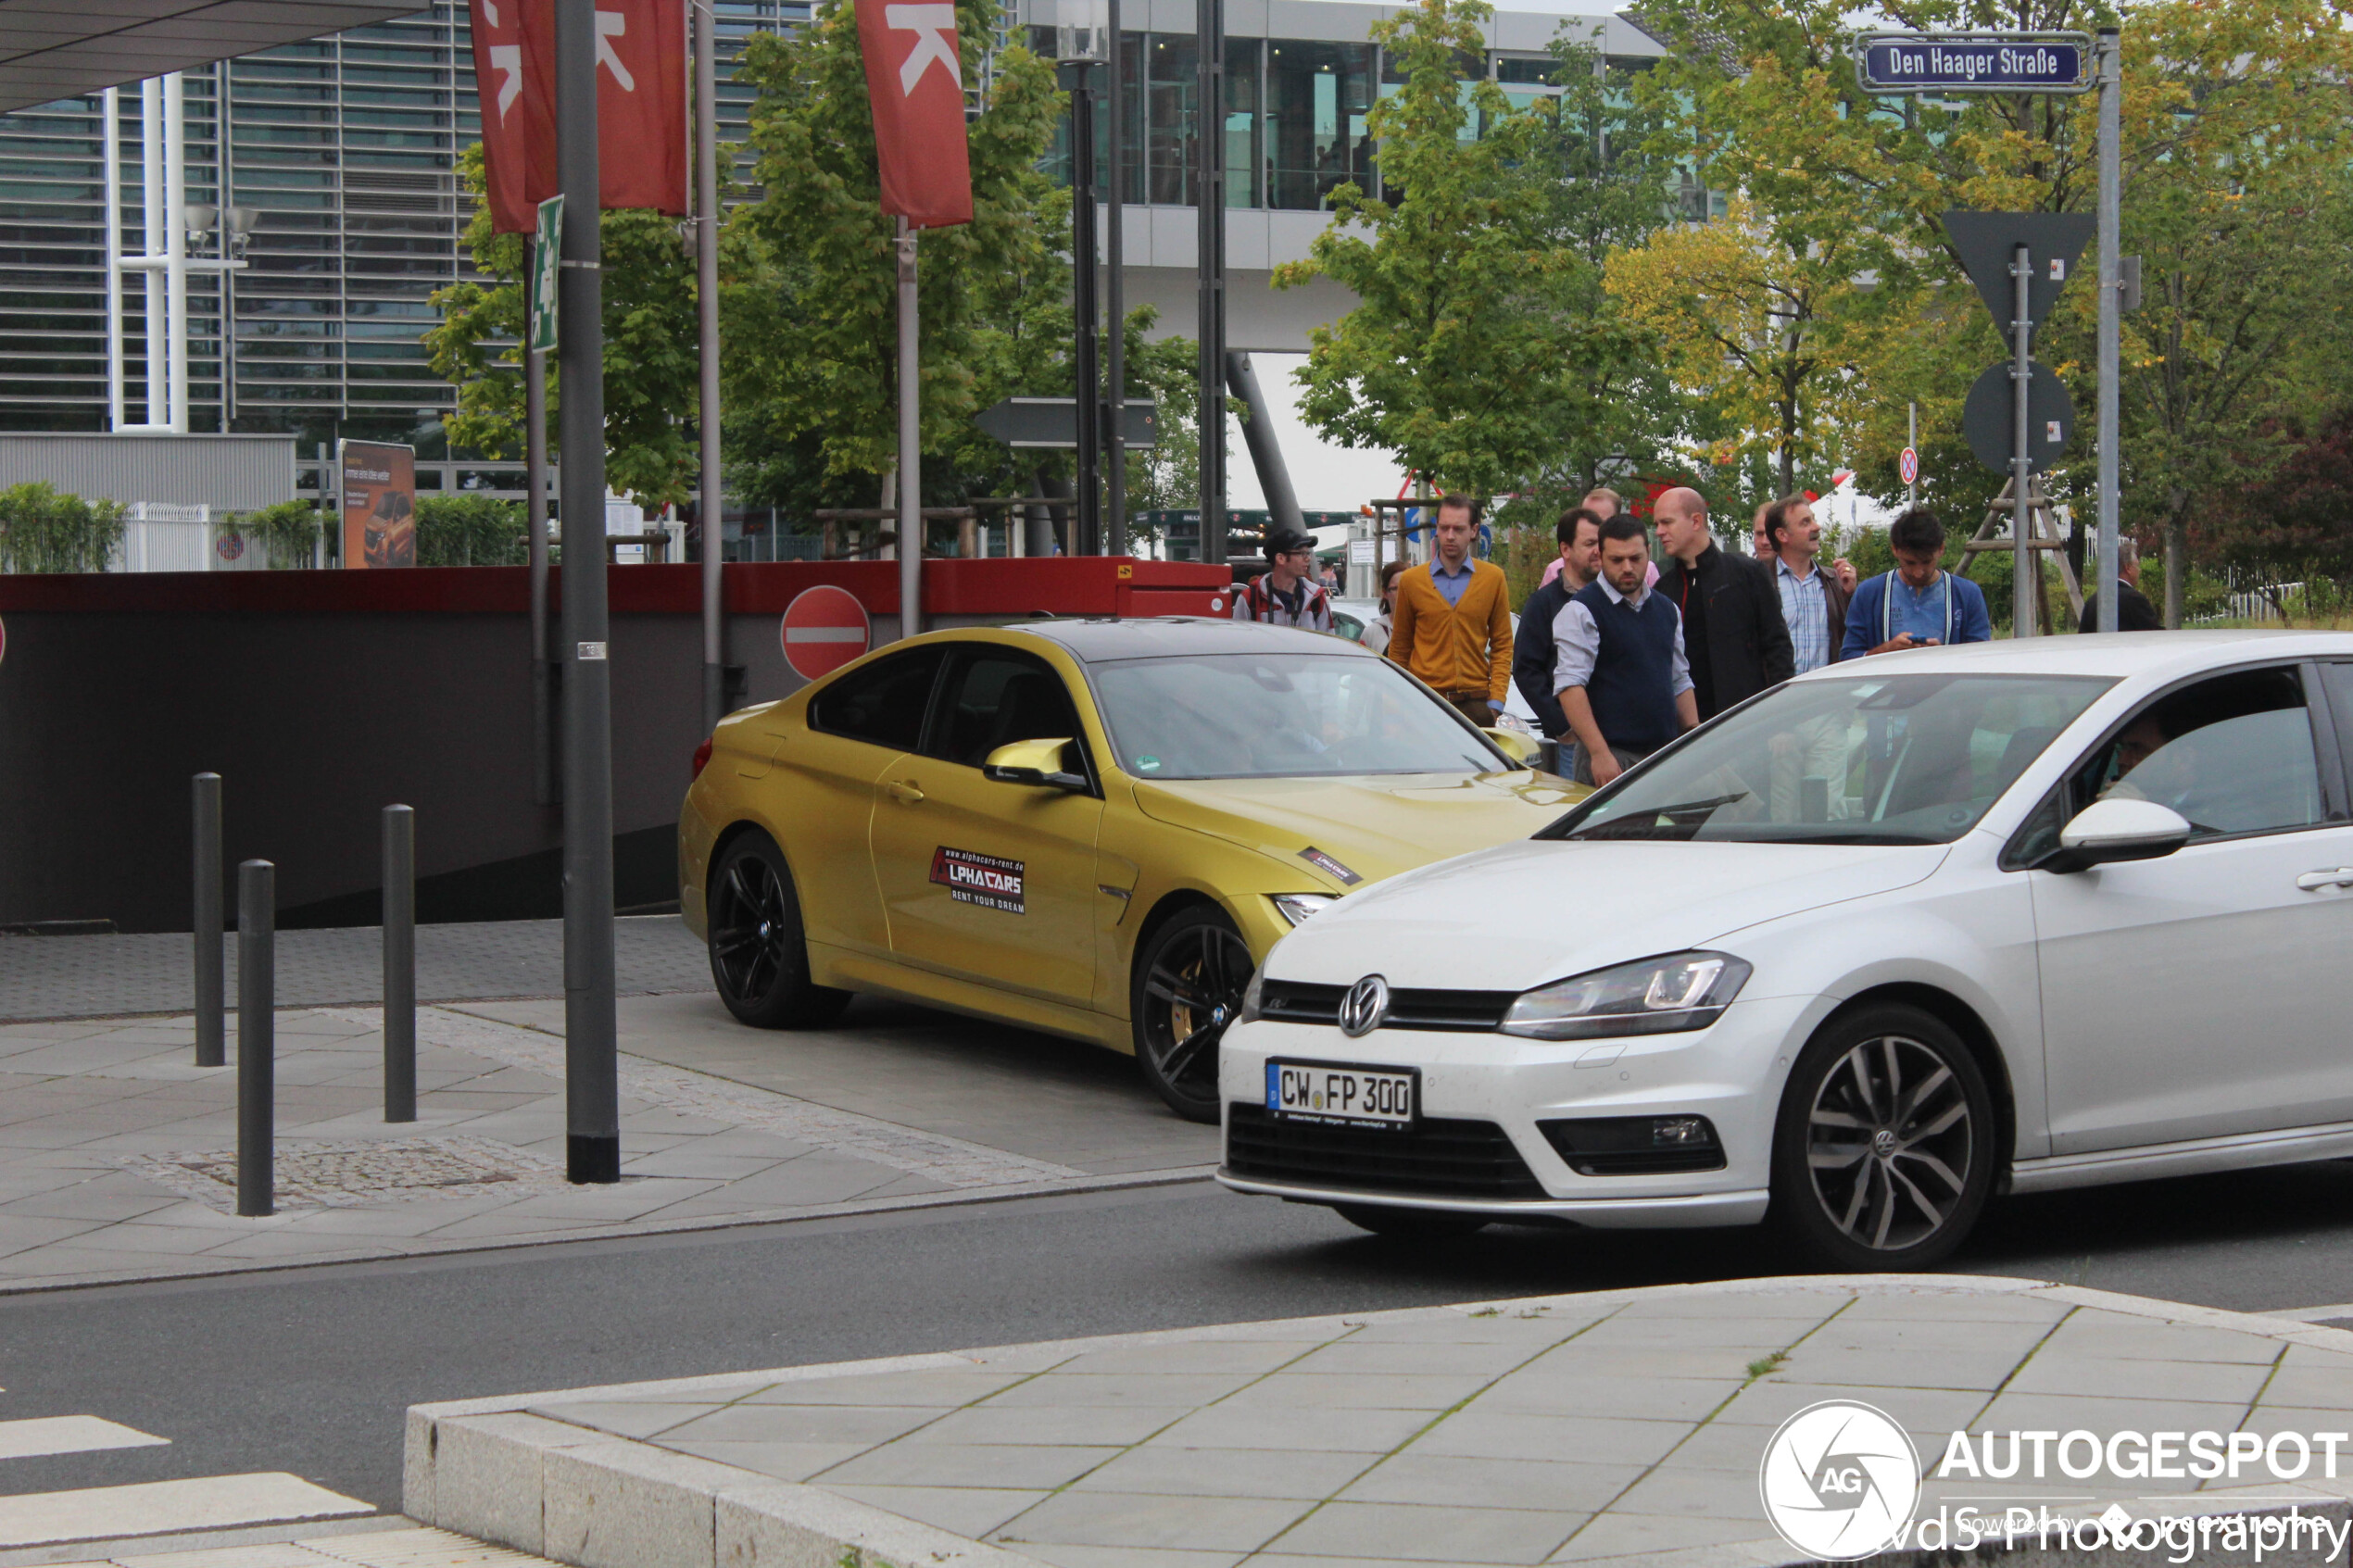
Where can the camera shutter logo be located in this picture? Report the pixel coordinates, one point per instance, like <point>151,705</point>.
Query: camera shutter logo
<point>1840,1480</point>
<point>1365,1005</point>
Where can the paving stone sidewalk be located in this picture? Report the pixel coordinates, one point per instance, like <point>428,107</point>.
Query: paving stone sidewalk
<point>116,975</point>
<point>118,1156</point>
<point>1622,1428</point>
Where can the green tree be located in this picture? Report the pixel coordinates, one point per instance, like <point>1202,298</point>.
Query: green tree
<point>1475,355</point>
<point>811,340</point>
<point>471,530</point>
<point>650,347</point>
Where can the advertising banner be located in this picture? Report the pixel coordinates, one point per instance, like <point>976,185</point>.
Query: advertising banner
<point>641,105</point>
<point>915,81</point>
<point>379,503</point>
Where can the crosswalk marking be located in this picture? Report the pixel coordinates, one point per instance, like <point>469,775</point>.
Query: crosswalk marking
<point>69,1435</point>
<point>207,1502</point>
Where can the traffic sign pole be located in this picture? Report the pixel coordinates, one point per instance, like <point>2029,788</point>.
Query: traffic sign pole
<point>2111,188</point>
<point>910,449</point>
<point>2023,563</point>
<point>1912,450</point>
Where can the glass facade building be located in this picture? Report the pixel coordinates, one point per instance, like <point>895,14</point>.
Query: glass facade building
<point>347,146</point>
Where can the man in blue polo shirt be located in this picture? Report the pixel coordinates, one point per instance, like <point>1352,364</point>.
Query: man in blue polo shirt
<point>1918,605</point>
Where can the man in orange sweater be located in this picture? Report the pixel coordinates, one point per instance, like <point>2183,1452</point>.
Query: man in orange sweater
<point>1454,619</point>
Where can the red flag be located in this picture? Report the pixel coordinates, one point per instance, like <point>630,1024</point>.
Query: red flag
<point>641,105</point>
<point>915,81</point>
<point>514,114</point>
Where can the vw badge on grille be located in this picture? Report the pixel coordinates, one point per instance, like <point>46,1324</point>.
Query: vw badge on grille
<point>1365,1005</point>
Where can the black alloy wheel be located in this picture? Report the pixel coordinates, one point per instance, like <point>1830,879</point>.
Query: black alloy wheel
<point>1188,988</point>
<point>1410,1225</point>
<point>1884,1153</point>
<point>759,954</point>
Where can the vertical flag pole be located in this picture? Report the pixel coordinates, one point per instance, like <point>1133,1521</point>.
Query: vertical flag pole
<point>1115,298</point>
<point>711,499</point>
<point>591,1086</point>
<point>911,446</point>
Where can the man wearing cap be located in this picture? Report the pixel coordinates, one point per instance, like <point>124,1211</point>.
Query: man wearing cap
<point>1286,594</point>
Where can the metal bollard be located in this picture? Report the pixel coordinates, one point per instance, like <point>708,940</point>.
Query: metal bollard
<point>400,963</point>
<point>257,1035</point>
<point>212,1045</point>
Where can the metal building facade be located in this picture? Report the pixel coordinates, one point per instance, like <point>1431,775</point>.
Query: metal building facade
<point>227,472</point>
<point>349,147</point>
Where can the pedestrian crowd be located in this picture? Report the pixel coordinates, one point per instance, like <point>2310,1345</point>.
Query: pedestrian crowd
<point>1616,653</point>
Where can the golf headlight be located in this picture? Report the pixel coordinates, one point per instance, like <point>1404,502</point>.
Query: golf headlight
<point>1651,996</point>
<point>1297,907</point>
<point>1250,994</point>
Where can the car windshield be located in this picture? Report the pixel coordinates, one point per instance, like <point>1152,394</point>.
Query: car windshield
<point>1884,758</point>
<point>1281,715</point>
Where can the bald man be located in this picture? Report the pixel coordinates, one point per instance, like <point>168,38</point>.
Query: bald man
<point>1733,633</point>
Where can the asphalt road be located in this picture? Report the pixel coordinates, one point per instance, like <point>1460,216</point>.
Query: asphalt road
<point>308,1370</point>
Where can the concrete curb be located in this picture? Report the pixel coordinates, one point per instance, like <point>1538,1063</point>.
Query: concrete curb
<point>491,1468</point>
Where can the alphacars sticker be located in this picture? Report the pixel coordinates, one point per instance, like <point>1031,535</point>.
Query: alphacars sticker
<point>1329,867</point>
<point>985,879</point>
<point>1148,763</point>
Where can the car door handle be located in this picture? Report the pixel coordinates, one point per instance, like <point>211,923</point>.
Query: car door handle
<point>905,794</point>
<point>2312,881</point>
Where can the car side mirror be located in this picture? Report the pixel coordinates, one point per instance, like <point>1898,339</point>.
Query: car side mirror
<point>1516,746</point>
<point>1038,763</point>
<point>2115,830</point>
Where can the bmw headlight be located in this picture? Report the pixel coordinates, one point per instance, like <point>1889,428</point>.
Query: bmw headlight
<point>1297,907</point>
<point>1650,997</point>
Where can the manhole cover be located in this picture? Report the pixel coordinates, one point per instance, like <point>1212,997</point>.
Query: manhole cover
<point>353,1174</point>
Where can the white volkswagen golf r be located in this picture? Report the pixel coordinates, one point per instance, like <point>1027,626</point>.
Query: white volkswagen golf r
<point>1882,942</point>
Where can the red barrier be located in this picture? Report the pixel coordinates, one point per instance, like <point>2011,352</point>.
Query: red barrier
<point>1050,585</point>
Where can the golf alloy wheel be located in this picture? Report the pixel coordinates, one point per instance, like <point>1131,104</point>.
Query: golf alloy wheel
<point>1886,1147</point>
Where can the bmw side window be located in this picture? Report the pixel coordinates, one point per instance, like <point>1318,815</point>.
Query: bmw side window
<point>2336,680</point>
<point>882,702</point>
<point>995,699</point>
<point>2232,755</point>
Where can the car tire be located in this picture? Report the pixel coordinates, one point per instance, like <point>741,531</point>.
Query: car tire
<point>1884,1150</point>
<point>1187,989</point>
<point>1410,1225</point>
<point>758,950</point>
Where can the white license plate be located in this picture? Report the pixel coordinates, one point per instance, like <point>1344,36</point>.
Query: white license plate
<point>1351,1097</point>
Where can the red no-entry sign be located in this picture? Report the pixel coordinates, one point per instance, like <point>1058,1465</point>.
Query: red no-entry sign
<point>823,629</point>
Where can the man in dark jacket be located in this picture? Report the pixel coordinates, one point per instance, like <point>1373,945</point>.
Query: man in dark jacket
<point>2133,611</point>
<point>1733,632</point>
<point>1579,535</point>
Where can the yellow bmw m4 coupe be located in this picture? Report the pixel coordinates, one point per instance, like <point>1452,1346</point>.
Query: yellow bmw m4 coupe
<point>1095,828</point>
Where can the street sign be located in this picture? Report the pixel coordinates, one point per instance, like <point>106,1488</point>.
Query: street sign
<point>1986,241</point>
<point>1053,421</point>
<point>1986,418</point>
<point>1974,62</point>
<point>1907,466</point>
<point>540,302</point>
<point>823,629</point>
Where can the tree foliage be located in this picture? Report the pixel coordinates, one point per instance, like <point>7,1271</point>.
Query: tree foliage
<point>1483,353</point>
<point>811,340</point>
<point>651,392</point>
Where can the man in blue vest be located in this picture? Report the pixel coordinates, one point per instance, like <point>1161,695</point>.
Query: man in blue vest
<point>1621,672</point>
<point>1918,605</point>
